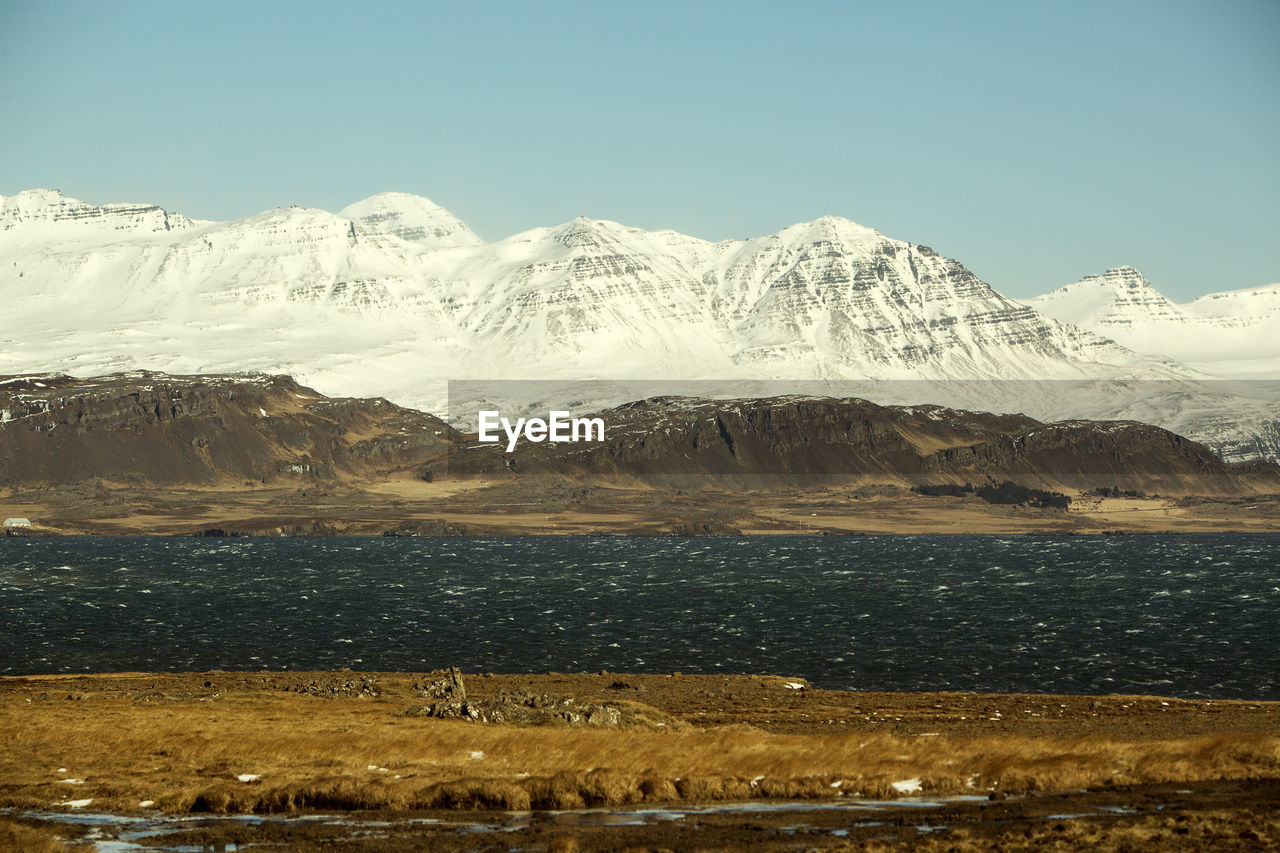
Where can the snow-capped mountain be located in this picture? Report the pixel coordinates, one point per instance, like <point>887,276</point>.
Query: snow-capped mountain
<point>411,218</point>
<point>1234,334</point>
<point>393,295</point>
<point>1113,300</point>
<point>36,214</point>
<point>828,298</point>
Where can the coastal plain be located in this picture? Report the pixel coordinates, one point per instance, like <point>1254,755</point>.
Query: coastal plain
<point>699,762</point>
<point>407,505</point>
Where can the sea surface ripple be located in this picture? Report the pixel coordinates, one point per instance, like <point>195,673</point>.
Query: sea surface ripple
<point>1191,616</point>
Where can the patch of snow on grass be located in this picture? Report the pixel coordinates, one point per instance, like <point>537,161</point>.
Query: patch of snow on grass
<point>908,786</point>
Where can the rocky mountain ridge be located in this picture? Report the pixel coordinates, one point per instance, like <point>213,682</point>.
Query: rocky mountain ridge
<point>821,439</point>
<point>153,428</point>
<point>148,428</point>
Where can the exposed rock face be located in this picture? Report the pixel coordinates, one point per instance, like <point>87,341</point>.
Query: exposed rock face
<point>451,695</point>
<point>146,427</point>
<point>857,440</point>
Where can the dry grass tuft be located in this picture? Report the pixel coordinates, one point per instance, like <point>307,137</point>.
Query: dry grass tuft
<point>21,838</point>
<point>698,788</point>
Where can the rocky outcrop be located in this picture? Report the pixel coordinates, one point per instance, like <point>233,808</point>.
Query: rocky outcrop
<point>155,428</point>
<point>450,695</point>
<point>361,687</point>
<point>824,439</point>
<point>522,707</point>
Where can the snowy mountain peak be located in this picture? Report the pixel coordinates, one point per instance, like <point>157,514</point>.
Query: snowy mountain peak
<point>1122,279</point>
<point>1258,301</point>
<point>832,229</point>
<point>1125,270</point>
<point>54,215</point>
<point>1118,297</point>
<point>33,199</point>
<point>585,233</point>
<point>411,218</point>
<point>1236,333</point>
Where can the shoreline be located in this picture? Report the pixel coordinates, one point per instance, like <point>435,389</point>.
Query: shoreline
<point>413,508</point>
<point>1223,815</point>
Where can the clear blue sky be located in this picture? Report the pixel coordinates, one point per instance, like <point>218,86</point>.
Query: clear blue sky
<point>1035,142</point>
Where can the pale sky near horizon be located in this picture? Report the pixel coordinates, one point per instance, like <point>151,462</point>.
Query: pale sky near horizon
<point>1034,142</point>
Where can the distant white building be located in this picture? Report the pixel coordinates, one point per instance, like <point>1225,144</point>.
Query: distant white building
<point>17,522</point>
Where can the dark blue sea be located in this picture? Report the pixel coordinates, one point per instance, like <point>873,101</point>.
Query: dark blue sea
<point>1188,616</point>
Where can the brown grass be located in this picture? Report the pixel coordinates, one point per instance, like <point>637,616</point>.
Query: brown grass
<point>23,838</point>
<point>318,754</point>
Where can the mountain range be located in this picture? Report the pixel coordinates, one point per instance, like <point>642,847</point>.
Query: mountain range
<point>394,296</point>
<point>1234,334</point>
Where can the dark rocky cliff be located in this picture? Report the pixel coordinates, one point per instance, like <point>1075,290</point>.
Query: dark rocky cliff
<point>154,428</point>
<point>151,428</point>
<point>850,439</point>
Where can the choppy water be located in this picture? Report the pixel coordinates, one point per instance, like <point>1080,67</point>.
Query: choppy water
<point>1177,615</point>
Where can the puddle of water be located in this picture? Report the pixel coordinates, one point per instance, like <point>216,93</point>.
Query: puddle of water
<point>121,833</point>
<point>127,830</point>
